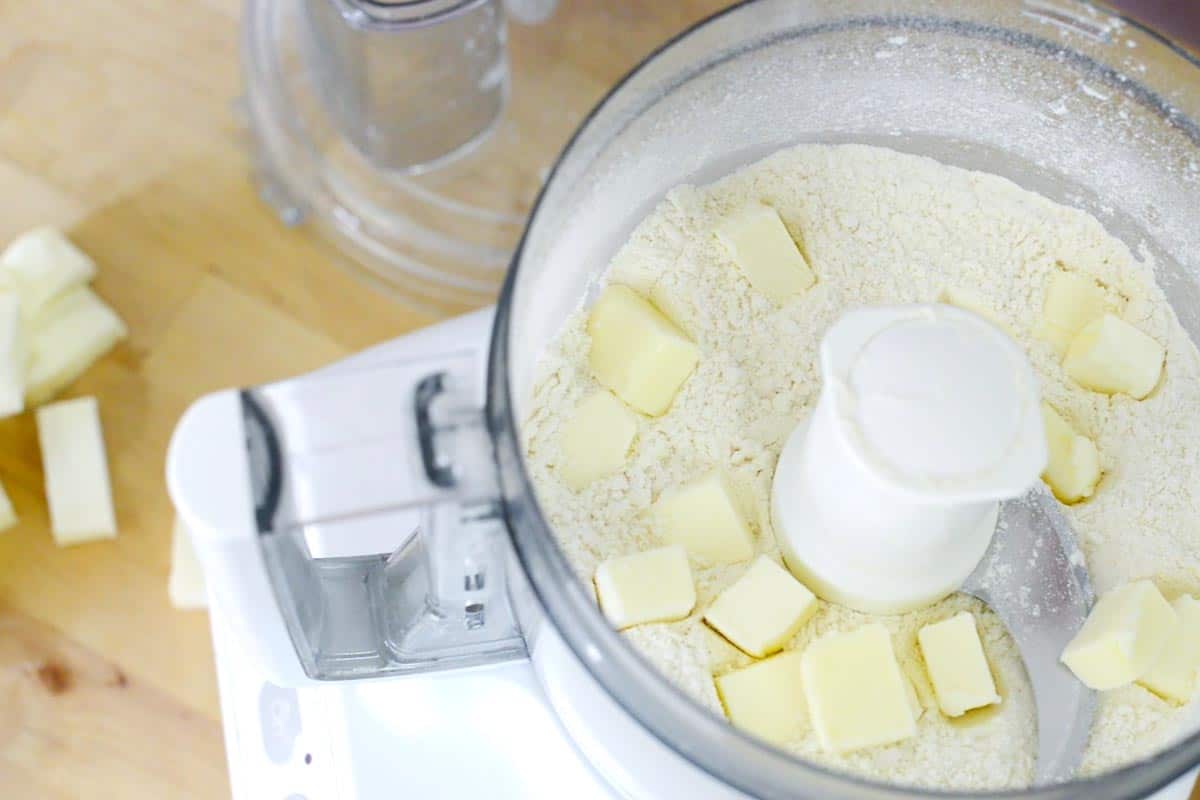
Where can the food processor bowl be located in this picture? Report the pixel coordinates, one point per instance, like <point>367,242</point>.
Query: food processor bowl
<point>1064,98</point>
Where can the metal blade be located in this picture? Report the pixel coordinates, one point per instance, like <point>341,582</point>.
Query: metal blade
<point>1034,577</point>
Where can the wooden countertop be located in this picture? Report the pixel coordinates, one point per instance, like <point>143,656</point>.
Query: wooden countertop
<point>115,124</point>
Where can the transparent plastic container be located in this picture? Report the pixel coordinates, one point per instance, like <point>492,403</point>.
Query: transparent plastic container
<point>1064,98</point>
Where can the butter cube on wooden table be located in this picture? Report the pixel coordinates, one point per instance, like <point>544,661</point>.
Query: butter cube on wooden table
<point>76,471</point>
<point>1175,673</point>
<point>857,695</point>
<point>651,586</point>
<point>1122,638</point>
<point>72,332</point>
<point>637,352</point>
<point>760,244</point>
<point>43,264</point>
<point>766,699</point>
<point>185,584</point>
<point>957,666</point>
<point>762,609</point>
<point>13,356</point>
<point>704,517</point>
<point>8,515</point>
<point>595,441</point>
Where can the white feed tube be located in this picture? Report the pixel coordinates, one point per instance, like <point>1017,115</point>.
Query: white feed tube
<point>886,500</point>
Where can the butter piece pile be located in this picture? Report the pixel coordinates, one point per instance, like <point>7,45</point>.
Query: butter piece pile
<point>52,328</point>
<point>1134,635</point>
<point>848,686</point>
<point>1102,353</point>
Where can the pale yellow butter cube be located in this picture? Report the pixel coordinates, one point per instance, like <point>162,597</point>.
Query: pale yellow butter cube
<point>857,696</point>
<point>71,333</point>
<point>703,517</point>
<point>1073,468</point>
<point>957,667</point>
<point>78,489</point>
<point>651,586</point>
<point>762,609</point>
<point>13,355</point>
<point>1111,356</point>
<point>637,352</point>
<point>1123,636</point>
<point>43,264</point>
<point>596,440</point>
<point>1174,674</point>
<point>1072,301</point>
<point>185,584</point>
<point>8,516</point>
<point>766,699</point>
<point>760,244</point>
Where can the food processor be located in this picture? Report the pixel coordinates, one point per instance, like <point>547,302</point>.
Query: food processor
<point>376,555</point>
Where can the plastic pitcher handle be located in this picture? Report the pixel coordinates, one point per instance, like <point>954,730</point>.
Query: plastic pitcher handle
<point>346,519</point>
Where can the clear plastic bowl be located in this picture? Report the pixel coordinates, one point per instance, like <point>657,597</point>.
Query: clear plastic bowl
<point>1062,97</point>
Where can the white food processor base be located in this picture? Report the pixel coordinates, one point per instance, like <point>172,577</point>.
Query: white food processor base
<point>476,733</point>
<point>487,733</point>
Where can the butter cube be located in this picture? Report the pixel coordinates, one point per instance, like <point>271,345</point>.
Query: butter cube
<point>8,516</point>
<point>1073,469</point>
<point>1109,355</point>
<point>78,489</point>
<point>41,265</point>
<point>68,337</point>
<point>185,583</point>
<point>596,440</point>
<point>857,695</point>
<point>704,518</point>
<point>762,609</point>
<point>13,352</point>
<point>957,666</point>
<point>651,586</point>
<point>1072,301</point>
<point>766,699</point>
<point>637,352</point>
<point>1122,638</point>
<point>760,244</point>
<point>1174,675</point>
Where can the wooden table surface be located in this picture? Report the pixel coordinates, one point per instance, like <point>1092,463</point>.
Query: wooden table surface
<point>115,124</point>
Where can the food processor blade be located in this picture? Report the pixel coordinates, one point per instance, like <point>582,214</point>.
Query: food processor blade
<point>1034,577</point>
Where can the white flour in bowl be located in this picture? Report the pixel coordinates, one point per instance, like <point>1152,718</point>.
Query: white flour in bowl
<point>881,228</point>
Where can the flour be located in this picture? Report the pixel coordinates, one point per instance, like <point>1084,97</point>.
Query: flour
<point>880,228</point>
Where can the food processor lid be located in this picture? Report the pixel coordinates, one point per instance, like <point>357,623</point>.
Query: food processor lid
<point>384,126</point>
<point>650,133</point>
